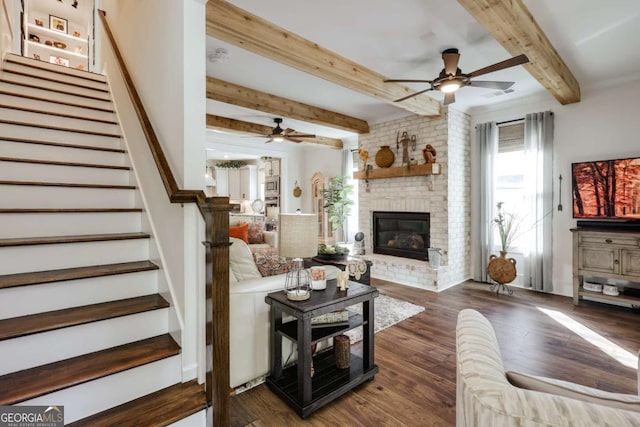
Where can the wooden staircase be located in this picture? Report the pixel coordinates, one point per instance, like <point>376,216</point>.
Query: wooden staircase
<point>82,323</point>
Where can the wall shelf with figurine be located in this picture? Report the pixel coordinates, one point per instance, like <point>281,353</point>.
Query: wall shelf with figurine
<point>59,33</point>
<point>398,172</point>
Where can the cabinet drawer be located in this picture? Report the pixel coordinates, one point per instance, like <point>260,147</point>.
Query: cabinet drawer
<point>619,240</point>
<point>630,262</point>
<point>598,259</point>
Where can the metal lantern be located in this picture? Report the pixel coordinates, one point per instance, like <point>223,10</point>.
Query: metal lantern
<point>297,284</point>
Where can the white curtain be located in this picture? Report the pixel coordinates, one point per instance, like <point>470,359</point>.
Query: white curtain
<point>351,224</point>
<point>538,145</point>
<point>486,150</point>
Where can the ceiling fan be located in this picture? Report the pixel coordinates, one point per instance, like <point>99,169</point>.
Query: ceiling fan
<point>278,134</point>
<point>451,78</point>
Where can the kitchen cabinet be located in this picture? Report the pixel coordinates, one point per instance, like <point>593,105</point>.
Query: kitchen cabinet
<point>237,184</point>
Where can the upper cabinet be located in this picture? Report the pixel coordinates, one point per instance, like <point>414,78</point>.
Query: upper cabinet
<point>59,33</point>
<point>237,184</point>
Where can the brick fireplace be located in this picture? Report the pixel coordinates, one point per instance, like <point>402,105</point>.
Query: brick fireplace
<point>445,198</point>
<point>401,234</point>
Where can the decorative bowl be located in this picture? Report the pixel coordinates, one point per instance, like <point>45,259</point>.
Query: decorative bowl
<point>60,45</point>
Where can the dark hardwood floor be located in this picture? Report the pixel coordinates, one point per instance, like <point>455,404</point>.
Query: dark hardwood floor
<point>416,382</point>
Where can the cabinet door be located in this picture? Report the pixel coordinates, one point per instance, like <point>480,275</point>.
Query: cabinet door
<point>234,184</point>
<point>596,259</point>
<point>249,183</point>
<point>222,181</point>
<point>630,262</point>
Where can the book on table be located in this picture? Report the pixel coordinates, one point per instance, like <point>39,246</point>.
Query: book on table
<point>334,318</point>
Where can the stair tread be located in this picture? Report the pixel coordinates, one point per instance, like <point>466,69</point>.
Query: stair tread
<point>69,210</point>
<point>57,114</point>
<point>49,79</point>
<point>70,104</point>
<point>50,276</point>
<point>71,239</point>
<point>51,320</point>
<point>61,144</point>
<point>69,184</point>
<point>59,128</point>
<point>64,92</point>
<point>33,63</point>
<point>74,164</point>
<point>161,408</point>
<point>30,383</point>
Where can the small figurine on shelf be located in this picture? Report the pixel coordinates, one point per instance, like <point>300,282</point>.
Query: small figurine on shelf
<point>429,154</point>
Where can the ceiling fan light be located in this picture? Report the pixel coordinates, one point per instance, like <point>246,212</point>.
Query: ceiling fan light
<point>449,86</point>
<point>278,138</point>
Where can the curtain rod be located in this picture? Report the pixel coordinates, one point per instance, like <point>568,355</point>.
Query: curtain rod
<point>510,121</point>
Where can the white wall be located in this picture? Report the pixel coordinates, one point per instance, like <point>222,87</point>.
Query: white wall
<point>604,125</point>
<point>9,25</point>
<point>163,45</point>
<point>315,159</point>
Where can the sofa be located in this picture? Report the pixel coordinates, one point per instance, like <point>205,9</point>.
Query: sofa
<point>249,313</point>
<point>255,235</point>
<point>488,396</point>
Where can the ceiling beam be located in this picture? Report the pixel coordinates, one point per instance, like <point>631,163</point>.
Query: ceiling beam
<point>233,25</point>
<point>254,129</point>
<point>231,93</point>
<point>511,24</point>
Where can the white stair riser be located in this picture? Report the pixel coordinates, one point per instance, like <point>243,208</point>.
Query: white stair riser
<point>55,96</point>
<point>49,85</point>
<point>38,349</point>
<point>23,150</point>
<point>199,419</point>
<point>33,196</point>
<point>50,135</point>
<point>52,67</point>
<point>24,259</point>
<point>48,74</point>
<point>19,171</point>
<point>96,396</point>
<point>68,224</point>
<point>63,122</point>
<point>35,104</point>
<point>73,293</point>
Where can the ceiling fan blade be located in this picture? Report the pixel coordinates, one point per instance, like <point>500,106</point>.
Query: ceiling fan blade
<point>413,94</point>
<point>449,98</point>
<point>300,135</point>
<point>268,140</point>
<point>451,58</point>
<point>287,131</point>
<point>491,85</point>
<point>293,140</point>
<point>406,81</point>
<point>512,62</point>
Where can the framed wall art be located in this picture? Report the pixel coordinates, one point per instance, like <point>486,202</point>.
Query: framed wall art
<point>58,24</point>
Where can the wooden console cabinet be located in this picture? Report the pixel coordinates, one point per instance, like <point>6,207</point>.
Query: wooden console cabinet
<point>607,254</point>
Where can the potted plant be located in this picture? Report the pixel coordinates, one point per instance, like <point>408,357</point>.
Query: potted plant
<point>337,203</point>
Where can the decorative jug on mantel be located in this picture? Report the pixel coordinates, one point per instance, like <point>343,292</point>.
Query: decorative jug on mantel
<point>385,157</point>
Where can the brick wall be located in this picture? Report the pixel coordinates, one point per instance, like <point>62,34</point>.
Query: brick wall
<point>440,195</point>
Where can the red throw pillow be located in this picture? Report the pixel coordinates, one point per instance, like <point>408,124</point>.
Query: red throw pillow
<point>240,232</point>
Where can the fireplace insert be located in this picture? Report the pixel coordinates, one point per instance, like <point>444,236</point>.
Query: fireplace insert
<point>402,234</point>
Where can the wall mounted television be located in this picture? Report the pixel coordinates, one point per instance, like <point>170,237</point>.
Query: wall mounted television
<point>606,189</point>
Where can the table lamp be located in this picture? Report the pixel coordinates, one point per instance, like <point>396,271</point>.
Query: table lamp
<point>297,239</point>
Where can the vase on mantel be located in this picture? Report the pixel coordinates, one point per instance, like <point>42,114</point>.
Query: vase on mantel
<point>385,157</point>
<point>502,269</point>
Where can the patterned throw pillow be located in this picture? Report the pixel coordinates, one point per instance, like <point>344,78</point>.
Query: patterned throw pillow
<point>255,232</point>
<point>270,265</point>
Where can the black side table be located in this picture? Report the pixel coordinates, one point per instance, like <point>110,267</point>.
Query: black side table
<point>294,384</point>
<point>341,264</point>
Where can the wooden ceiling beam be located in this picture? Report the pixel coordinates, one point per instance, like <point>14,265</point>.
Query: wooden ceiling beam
<point>231,93</point>
<point>254,129</point>
<point>233,25</point>
<point>511,24</point>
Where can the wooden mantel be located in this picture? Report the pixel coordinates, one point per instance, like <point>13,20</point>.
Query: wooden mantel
<point>398,172</point>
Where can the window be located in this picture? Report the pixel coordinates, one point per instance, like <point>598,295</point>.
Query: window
<point>510,167</point>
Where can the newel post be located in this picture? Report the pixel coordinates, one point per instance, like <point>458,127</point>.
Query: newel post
<point>216,213</point>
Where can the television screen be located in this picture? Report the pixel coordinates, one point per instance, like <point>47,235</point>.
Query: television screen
<point>607,189</point>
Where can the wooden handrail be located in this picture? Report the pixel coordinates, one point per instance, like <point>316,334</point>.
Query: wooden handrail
<point>215,211</point>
